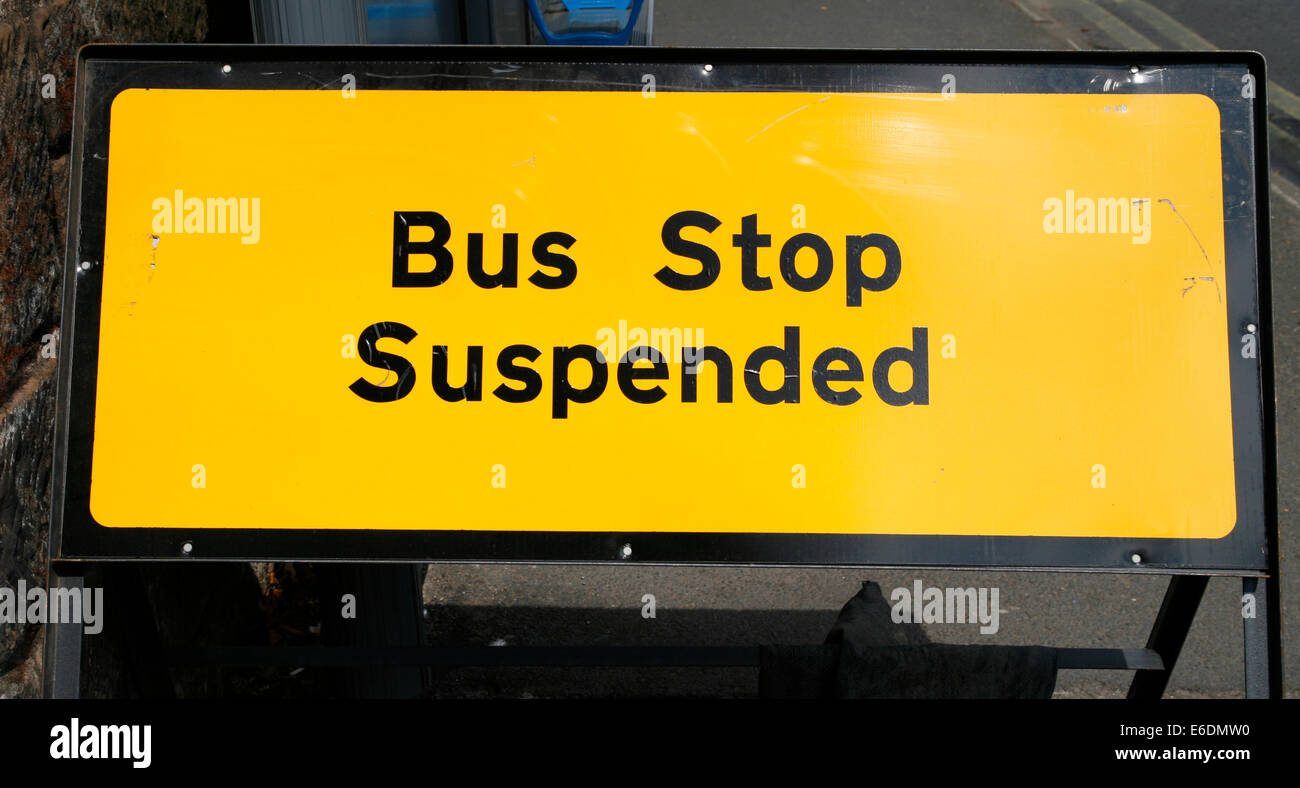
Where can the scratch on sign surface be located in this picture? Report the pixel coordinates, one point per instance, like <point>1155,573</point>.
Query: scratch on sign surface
<point>786,115</point>
<point>1199,245</point>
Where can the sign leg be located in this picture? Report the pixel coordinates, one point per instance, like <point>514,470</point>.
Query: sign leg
<point>374,606</point>
<point>1177,611</point>
<point>1263,645</point>
<point>62,677</point>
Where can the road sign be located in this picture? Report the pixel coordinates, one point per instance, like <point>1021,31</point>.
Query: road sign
<point>756,308</point>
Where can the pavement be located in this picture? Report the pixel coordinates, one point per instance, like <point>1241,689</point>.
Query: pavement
<point>549,605</point>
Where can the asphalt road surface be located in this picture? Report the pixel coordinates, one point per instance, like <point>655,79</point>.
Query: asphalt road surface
<point>538,605</point>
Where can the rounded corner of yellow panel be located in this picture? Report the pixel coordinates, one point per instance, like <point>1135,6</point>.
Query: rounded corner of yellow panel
<point>98,515</point>
<point>1208,105</point>
<point>125,97</point>
<point>1225,529</point>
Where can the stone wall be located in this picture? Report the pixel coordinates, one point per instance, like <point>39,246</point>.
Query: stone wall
<point>38,52</point>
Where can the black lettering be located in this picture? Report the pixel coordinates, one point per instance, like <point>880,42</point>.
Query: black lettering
<point>386,361</point>
<point>691,359</point>
<point>629,373</point>
<point>749,242</point>
<point>671,235</point>
<point>563,393</point>
<point>823,376</point>
<point>404,247</point>
<point>473,388</point>
<point>918,358</point>
<point>525,375</point>
<point>508,276</point>
<point>568,269</point>
<point>825,262</point>
<point>788,356</point>
<point>854,280</point>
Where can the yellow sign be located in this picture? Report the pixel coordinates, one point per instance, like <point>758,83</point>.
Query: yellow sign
<point>569,311</point>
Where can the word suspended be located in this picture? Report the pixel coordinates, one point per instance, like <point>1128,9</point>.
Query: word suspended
<point>830,369</point>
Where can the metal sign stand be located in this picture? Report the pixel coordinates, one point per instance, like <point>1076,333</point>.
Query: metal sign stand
<point>384,665</point>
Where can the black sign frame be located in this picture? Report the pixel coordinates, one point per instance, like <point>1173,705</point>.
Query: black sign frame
<point>105,70</point>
